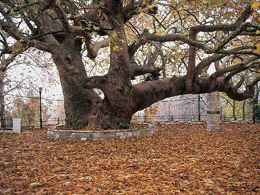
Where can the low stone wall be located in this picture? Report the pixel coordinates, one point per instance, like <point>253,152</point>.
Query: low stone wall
<point>7,131</point>
<point>99,135</point>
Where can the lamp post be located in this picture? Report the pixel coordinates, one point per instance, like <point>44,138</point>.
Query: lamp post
<point>40,91</point>
<point>199,107</point>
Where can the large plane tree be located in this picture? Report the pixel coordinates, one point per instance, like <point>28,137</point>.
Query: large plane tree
<point>157,49</point>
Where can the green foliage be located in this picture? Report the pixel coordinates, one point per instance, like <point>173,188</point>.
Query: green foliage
<point>257,112</point>
<point>125,125</point>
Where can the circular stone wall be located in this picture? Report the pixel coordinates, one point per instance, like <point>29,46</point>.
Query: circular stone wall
<point>99,135</point>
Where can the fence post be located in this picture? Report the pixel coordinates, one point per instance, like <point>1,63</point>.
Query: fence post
<point>221,113</point>
<point>199,107</point>
<point>254,110</point>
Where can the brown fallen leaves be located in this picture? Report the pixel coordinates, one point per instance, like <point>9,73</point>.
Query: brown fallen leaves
<point>178,159</point>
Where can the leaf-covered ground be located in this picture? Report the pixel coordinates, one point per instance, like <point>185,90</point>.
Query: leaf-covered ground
<point>180,158</point>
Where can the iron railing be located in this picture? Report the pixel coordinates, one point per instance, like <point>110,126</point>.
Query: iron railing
<point>7,123</point>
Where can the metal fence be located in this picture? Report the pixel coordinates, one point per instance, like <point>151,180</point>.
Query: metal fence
<point>191,118</point>
<point>54,121</point>
<point>7,123</point>
<point>171,118</point>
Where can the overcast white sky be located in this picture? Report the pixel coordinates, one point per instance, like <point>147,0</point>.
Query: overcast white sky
<point>34,77</point>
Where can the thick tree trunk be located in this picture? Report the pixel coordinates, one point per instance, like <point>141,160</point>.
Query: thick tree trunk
<point>78,102</point>
<point>84,107</point>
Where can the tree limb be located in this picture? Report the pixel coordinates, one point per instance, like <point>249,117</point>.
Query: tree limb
<point>94,48</point>
<point>223,71</point>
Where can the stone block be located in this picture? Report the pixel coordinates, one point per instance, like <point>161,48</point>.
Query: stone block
<point>97,135</point>
<point>17,125</point>
<point>213,114</point>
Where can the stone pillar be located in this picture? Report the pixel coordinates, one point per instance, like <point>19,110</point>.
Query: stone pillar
<point>17,125</point>
<point>213,112</point>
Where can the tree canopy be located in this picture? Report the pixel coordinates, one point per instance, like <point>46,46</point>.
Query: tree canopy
<point>151,49</point>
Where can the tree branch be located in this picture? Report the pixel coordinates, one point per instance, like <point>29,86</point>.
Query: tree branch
<point>243,64</point>
<point>95,82</point>
<point>94,48</point>
<point>146,36</point>
<point>12,30</point>
<point>206,62</point>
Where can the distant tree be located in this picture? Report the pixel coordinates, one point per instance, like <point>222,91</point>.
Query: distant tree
<point>6,59</point>
<point>29,110</point>
<point>9,61</point>
<point>151,111</point>
<point>59,113</point>
<point>234,110</point>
